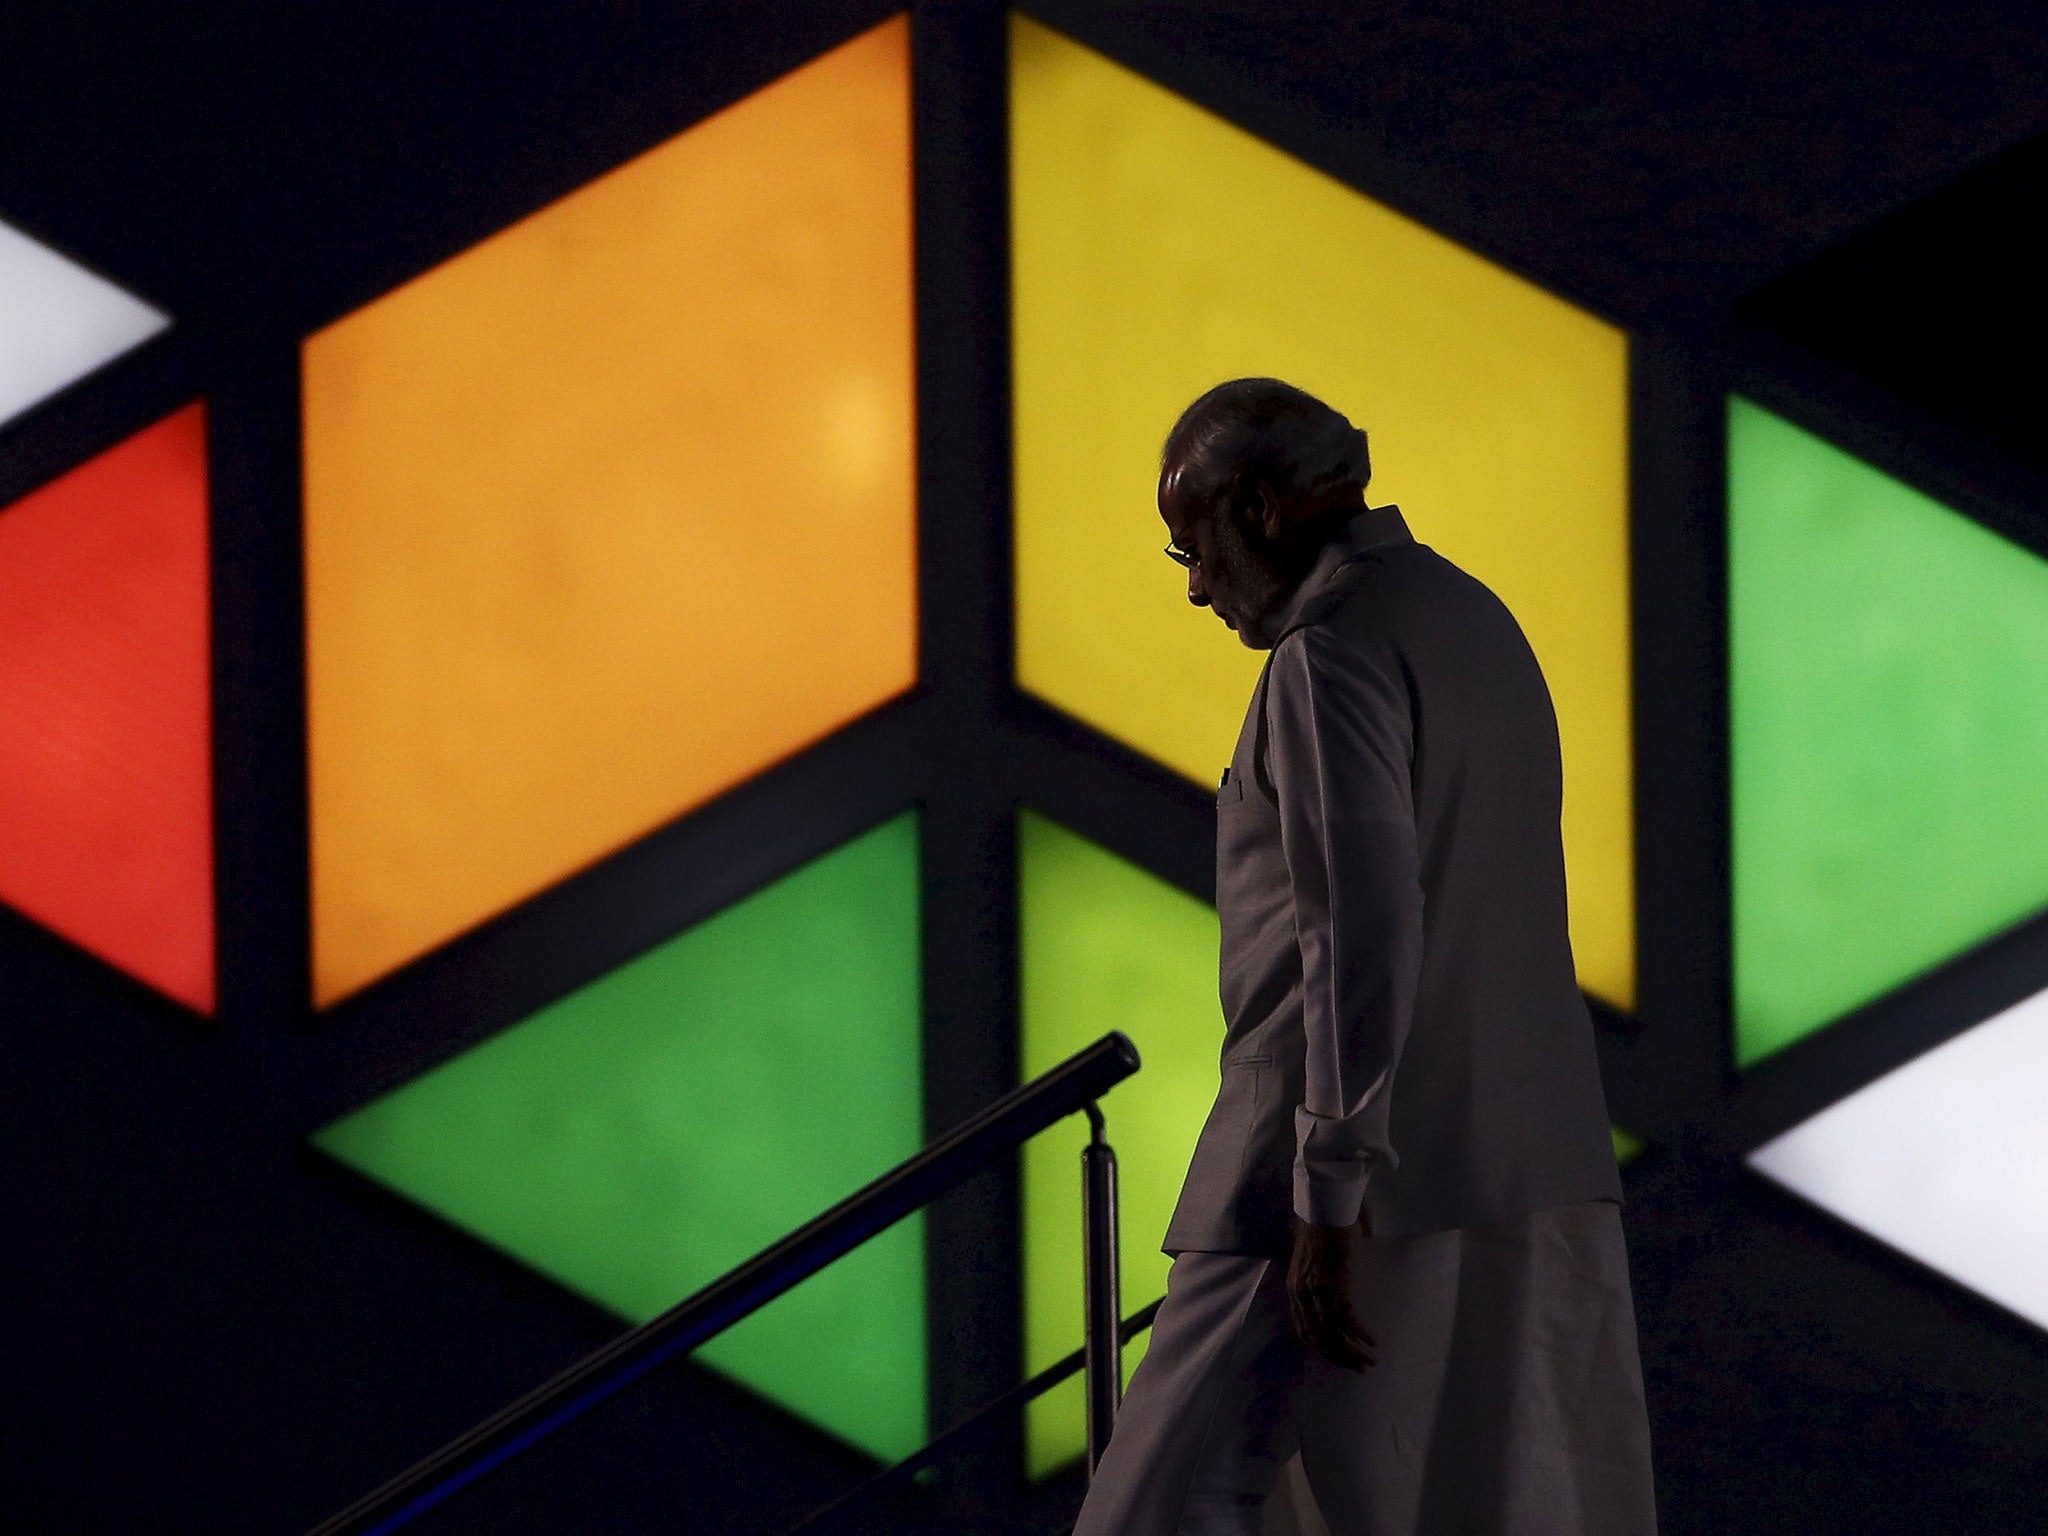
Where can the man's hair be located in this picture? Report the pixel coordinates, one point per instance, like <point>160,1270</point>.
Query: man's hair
<point>1246,430</point>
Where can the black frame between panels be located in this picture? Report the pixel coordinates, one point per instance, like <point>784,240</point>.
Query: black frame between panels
<point>1678,1054</point>
<point>974,1241</point>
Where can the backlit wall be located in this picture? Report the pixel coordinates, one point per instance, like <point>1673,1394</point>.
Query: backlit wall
<point>612,522</point>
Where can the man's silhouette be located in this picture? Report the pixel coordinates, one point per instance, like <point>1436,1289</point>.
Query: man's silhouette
<point>1398,1252</point>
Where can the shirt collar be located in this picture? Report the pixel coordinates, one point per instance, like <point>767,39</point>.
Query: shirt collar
<point>1370,529</point>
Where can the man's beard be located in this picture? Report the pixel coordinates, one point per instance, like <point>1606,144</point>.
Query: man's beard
<point>1252,583</point>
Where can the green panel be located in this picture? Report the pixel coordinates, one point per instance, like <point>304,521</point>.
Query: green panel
<point>1107,946</point>
<point>1625,1145</point>
<point>1889,723</point>
<point>650,1130</point>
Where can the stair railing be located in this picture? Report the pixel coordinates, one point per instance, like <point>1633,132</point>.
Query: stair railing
<point>1072,1087</point>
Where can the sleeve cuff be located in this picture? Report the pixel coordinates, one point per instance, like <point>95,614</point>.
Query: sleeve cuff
<point>1330,1197</point>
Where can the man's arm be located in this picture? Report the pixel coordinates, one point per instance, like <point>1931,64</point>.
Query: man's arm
<point>1341,734</point>
<point>1341,737</point>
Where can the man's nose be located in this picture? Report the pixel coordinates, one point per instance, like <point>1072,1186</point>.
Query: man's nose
<point>1198,591</point>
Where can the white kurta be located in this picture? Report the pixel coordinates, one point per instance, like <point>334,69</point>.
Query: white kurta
<point>1405,1036</point>
<point>1507,1399</point>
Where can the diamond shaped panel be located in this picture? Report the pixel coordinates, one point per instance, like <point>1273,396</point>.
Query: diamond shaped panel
<point>611,511</point>
<point>59,322</point>
<point>1107,946</point>
<point>646,1133</point>
<point>1158,250</point>
<point>1945,1158</point>
<point>1889,730</point>
<point>106,770</point>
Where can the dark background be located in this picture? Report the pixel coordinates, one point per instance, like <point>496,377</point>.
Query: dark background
<point>1836,208</point>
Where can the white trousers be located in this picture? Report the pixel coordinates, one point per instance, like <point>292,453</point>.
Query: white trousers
<point>1507,1399</point>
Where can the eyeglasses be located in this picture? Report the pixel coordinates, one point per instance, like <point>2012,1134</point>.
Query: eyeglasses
<point>1182,558</point>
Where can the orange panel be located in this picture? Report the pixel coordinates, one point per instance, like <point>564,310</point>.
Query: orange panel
<point>611,511</point>
<point>106,784</point>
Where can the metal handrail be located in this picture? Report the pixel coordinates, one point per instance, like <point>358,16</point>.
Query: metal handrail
<point>1102,1287</point>
<point>1005,1125</point>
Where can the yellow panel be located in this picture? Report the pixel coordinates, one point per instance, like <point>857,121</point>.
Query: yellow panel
<point>1159,250</point>
<point>611,511</point>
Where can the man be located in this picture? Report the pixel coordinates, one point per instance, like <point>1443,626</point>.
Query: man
<point>1398,1252</point>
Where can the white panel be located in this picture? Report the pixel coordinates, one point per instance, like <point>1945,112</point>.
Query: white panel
<point>1945,1158</point>
<point>58,321</point>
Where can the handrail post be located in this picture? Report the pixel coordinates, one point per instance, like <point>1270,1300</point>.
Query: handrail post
<point>1103,1285</point>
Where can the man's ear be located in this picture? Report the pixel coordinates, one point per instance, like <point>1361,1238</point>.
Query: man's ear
<point>1265,509</point>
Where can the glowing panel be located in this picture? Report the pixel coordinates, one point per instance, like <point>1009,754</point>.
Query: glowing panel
<point>1626,1147</point>
<point>611,511</point>
<point>59,322</point>
<point>1945,1159</point>
<point>644,1134</point>
<point>1159,250</point>
<point>1889,730</point>
<point>1107,946</point>
<point>106,775</point>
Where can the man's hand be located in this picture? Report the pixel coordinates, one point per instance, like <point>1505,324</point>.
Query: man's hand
<point>1319,1294</point>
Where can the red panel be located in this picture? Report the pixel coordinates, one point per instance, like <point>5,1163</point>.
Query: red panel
<point>106,814</point>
